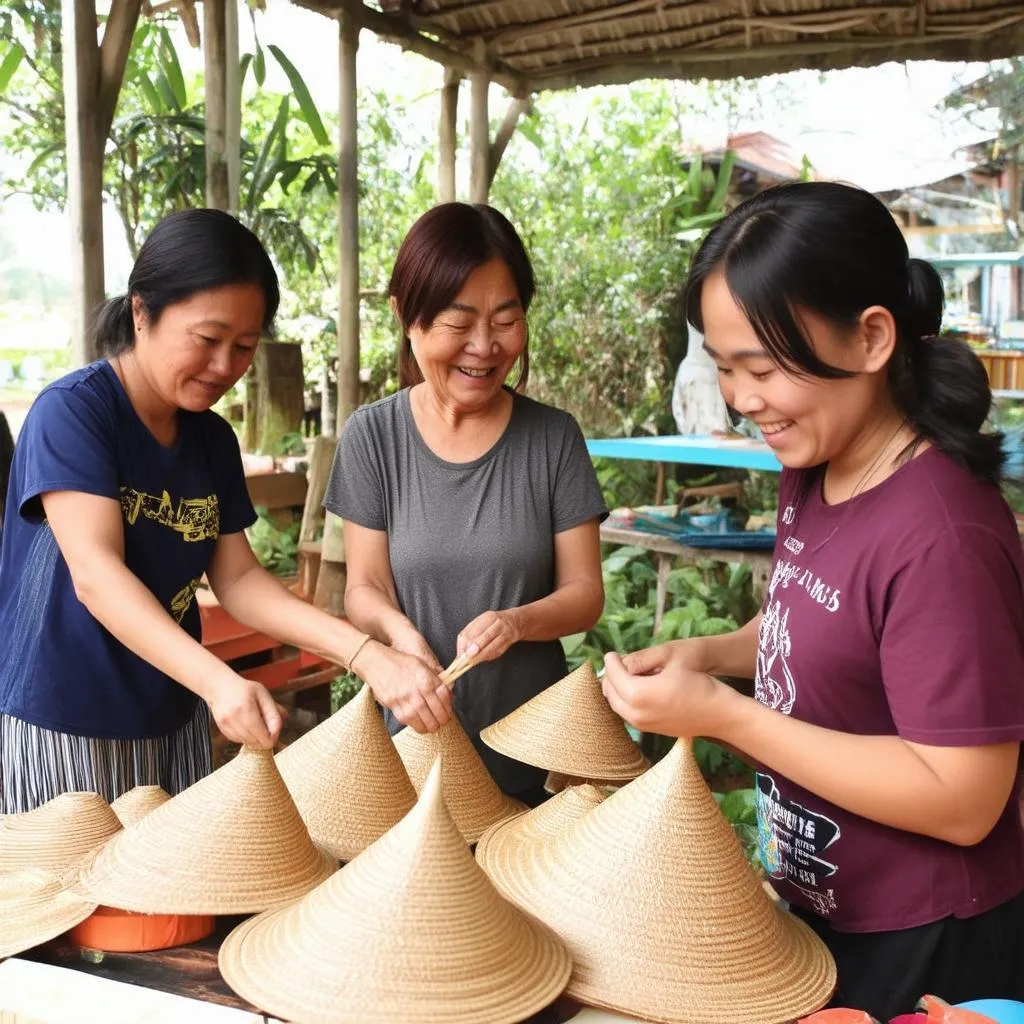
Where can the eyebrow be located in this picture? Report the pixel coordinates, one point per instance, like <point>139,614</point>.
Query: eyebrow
<point>220,324</point>
<point>747,353</point>
<point>461,307</point>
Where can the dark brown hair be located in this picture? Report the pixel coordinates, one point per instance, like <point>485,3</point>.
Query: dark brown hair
<point>439,253</point>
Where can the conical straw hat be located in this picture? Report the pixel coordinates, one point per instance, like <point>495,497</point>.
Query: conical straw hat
<point>569,728</point>
<point>471,795</point>
<point>546,820</point>
<point>409,931</point>
<point>233,843</point>
<point>34,908</point>
<point>663,916</point>
<point>134,805</point>
<point>57,833</point>
<point>347,779</point>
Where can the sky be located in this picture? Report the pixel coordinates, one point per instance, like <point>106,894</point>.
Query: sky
<point>877,127</point>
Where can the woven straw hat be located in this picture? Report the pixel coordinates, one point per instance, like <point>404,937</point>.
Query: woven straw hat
<point>233,843</point>
<point>548,819</point>
<point>347,779</point>
<point>471,795</point>
<point>134,805</point>
<point>409,931</point>
<point>664,918</point>
<point>56,834</point>
<point>34,908</point>
<point>569,728</point>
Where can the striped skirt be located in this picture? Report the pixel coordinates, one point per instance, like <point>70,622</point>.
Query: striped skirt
<point>38,764</point>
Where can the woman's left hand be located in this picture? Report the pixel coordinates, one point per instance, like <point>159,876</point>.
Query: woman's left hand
<point>672,701</point>
<point>490,635</point>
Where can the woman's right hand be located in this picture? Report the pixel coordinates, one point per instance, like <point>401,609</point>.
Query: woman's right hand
<point>407,685</point>
<point>245,712</point>
<point>685,654</point>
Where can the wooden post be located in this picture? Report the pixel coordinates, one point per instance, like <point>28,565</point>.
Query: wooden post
<point>448,136</point>
<point>215,59</point>
<point>330,582</point>
<point>516,109</point>
<point>479,138</point>
<point>348,222</point>
<point>85,168</point>
<point>232,105</point>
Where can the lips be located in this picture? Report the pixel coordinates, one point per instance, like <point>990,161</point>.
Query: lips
<point>474,372</point>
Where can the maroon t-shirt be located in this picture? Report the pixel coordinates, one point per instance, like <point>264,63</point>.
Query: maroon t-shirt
<point>899,612</point>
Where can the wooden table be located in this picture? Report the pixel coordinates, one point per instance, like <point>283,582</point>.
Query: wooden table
<point>667,550</point>
<point>192,971</point>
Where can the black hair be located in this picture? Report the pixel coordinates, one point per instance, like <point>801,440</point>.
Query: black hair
<point>187,252</point>
<point>836,250</point>
<point>438,254</point>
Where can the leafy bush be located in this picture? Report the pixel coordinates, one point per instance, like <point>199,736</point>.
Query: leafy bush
<point>276,549</point>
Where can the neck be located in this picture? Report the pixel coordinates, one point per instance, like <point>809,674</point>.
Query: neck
<point>451,417</point>
<point>870,458</point>
<point>160,417</point>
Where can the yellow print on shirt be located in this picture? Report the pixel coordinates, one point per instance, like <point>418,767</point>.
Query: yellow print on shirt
<point>195,519</point>
<point>182,600</point>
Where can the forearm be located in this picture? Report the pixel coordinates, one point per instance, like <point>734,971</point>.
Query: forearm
<point>126,607</point>
<point>732,654</point>
<point>573,608</point>
<point>375,612</point>
<point>258,600</point>
<point>878,777</point>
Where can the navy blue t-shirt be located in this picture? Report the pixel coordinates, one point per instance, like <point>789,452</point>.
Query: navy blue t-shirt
<point>61,669</point>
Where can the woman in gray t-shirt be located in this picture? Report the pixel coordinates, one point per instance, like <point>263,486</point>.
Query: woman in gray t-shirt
<point>471,512</point>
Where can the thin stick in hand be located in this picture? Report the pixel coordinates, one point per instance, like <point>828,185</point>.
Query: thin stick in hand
<point>458,668</point>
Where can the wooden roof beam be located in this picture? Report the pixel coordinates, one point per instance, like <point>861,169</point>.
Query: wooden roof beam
<point>117,41</point>
<point>396,29</point>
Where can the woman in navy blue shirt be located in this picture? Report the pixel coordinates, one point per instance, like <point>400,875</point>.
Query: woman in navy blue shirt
<point>125,490</point>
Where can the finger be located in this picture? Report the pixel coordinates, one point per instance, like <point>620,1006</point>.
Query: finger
<point>440,713</point>
<point>615,702</point>
<point>256,724</point>
<point>270,712</point>
<point>422,710</point>
<point>408,716</point>
<point>642,663</point>
<point>237,729</point>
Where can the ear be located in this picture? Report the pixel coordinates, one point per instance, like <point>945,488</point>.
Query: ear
<point>139,315</point>
<point>877,338</point>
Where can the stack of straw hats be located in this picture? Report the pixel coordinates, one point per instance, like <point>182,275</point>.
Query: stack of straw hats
<point>35,907</point>
<point>570,729</point>
<point>57,834</point>
<point>233,843</point>
<point>663,916</point>
<point>471,795</point>
<point>134,805</point>
<point>347,779</point>
<point>411,931</point>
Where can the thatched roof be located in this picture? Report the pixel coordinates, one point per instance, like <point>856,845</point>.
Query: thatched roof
<point>532,45</point>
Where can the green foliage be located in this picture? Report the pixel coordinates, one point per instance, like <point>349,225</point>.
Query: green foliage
<point>739,808</point>
<point>343,689</point>
<point>997,96</point>
<point>276,549</point>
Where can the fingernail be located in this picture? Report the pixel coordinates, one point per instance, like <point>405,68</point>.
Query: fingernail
<point>472,649</point>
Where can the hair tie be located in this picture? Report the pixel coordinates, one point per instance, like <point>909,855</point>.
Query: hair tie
<point>929,338</point>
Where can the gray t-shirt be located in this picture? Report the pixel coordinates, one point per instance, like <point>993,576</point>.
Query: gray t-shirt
<point>466,538</point>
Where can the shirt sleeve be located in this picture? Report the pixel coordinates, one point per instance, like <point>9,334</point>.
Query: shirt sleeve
<point>577,495</point>
<point>67,443</point>
<point>952,647</point>
<point>355,489</point>
<point>236,510</point>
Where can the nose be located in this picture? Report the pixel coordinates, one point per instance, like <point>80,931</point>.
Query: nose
<point>481,340</point>
<point>745,397</point>
<point>220,360</point>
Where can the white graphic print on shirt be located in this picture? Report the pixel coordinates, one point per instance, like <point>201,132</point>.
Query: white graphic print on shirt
<point>791,838</point>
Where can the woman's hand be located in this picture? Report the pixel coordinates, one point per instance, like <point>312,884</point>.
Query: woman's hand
<point>245,712</point>
<point>490,635</point>
<point>658,691</point>
<point>406,685</point>
<point>411,641</point>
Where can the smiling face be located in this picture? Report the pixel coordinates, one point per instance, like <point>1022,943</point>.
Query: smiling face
<point>201,346</point>
<point>806,420</point>
<point>466,354</point>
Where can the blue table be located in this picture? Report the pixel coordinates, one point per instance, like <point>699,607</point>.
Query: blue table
<point>702,451</point>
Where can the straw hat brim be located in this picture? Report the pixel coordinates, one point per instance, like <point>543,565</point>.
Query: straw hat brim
<point>135,804</point>
<point>265,939</point>
<point>41,911</point>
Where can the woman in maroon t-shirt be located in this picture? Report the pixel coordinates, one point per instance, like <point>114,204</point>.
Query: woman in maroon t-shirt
<point>888,657</point>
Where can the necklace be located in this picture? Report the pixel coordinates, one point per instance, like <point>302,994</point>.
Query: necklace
<point>869,472</point>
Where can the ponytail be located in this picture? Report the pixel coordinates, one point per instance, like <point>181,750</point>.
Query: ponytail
<point>940,384</point>
<point>113,330</point>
